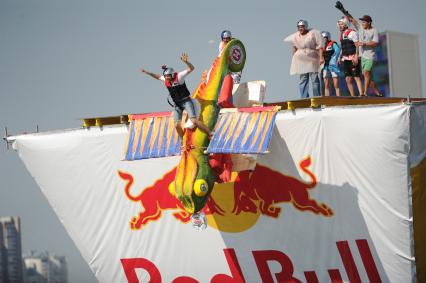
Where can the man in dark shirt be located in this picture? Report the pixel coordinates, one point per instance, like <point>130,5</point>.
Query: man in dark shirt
<point>175,83</point>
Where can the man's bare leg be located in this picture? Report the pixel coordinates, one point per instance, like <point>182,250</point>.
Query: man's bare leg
<point>350,85</point>
<point>327,86</point>
<point>367,81</point>
<point>359,85</point>
<point>375,89</point>
<point>336,86</point>
<point>179,129</point>
<point>201,126</point>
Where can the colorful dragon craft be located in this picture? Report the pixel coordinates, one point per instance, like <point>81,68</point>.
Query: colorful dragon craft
<point>195,177</point>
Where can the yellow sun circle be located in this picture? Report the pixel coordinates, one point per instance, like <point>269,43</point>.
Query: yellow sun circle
<point>231,222</point>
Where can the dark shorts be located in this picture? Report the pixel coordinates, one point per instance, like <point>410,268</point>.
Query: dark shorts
<point>350,70</point>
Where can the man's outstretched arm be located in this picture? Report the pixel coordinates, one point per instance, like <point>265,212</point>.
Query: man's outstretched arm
<point>155,76</point>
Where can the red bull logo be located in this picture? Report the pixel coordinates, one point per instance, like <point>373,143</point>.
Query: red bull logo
<point>154,199</point>
<point>234,206</point>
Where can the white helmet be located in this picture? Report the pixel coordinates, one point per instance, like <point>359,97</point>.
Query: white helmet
<point>326,34</point>
<point>168,71</point>
<point>343,20</point>
<point>226,34</point>
<point>303,23</point>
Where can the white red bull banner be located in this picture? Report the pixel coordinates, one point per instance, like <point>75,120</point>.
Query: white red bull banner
<point>331,202</point>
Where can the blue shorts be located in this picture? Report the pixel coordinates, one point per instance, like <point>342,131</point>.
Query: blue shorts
<point>188,105</point>
<point>331,72</point>
<point>327,73</point>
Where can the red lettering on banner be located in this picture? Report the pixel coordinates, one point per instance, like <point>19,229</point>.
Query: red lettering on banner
<point>234,267</point>
<point>261,258</point>
<point>311,277</point>
<point>131,264</point>
<point>368,261</point>
<point>286,275</point>
<point>348,261</point>
<point>335,276</point>
<point>185,279</point>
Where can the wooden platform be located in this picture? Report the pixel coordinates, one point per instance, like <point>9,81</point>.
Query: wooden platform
<point>315,102</point>
<point>103,121</point>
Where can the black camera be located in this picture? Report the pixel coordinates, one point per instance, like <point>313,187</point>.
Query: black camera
<point>340,7</point>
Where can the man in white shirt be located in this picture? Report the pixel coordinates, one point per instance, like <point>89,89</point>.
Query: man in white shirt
<point>368,41</point>
<point>307,57</point>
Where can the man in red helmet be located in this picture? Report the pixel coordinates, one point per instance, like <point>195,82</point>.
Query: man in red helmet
<point>175,83</point>
<point>349,56</point>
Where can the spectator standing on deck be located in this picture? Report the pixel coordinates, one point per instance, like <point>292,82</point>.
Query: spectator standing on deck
<point>331,71</point>
<point>307,57</point>
<point>349,58</point>
<point>368,41</point>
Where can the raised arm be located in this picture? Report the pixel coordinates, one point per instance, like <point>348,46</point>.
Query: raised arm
<point>353,21</point>
<point>184,59</point>
<point>155,76</point>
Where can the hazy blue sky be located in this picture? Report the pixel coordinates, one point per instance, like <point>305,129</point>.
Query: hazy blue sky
<point>64,60</point>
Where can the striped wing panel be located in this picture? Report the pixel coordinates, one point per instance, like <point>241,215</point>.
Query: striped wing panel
<point>244,130</point>
<point>152,136</point>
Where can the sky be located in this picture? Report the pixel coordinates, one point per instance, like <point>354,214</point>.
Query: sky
<point>61,61</point>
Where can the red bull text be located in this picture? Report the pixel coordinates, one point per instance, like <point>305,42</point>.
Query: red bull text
<point>262,258</point>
